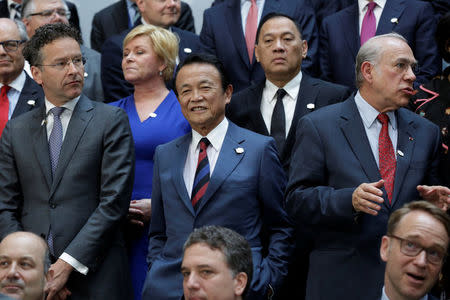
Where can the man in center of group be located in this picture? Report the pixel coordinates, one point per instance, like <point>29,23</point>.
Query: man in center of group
<point>219,174</point>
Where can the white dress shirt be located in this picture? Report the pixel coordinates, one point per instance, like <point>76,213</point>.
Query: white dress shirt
<point>12,11</point>
<point>65,119</point>
<point>373,127</point>
<point>363,6</point>
<point>269,100</point>
<point>14,93</point>
<point>215,137</point>
<point>385,297</point>
<point>245,8</point>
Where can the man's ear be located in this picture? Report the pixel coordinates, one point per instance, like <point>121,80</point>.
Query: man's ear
<point>367,69</point>
<point>240,282</point>
<point>36,73</point>
<point>384,249</point>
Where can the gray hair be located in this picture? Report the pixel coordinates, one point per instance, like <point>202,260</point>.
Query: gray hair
<point>22,30</point>
<point>28,7</point>
<point>371,51</point>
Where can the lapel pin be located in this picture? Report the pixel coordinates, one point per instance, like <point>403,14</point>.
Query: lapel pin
<point>400,153</point>
<point>411,138</point>
<point>85,74</point>
<point>153,115</point>
<point>310,106</point>
<point>31,102</point>
<point>187,50</point>
<point>239,150</point>
<point>394,20</point>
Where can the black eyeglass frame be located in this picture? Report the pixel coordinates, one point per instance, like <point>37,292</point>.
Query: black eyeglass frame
<point>15,47</point>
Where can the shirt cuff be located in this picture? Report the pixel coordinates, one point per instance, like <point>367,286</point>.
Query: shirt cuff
<point>74,263</point>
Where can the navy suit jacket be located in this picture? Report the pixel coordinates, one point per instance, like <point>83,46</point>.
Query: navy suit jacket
<point>245,107</point>
<point>340,39</point>
<point>30,91</point>
<point>245,193</point>
<point>115,86</point>
<point>222,36</point>
<point>332,157</point>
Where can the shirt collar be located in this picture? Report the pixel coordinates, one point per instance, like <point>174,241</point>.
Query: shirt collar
<point>129,4</point>
<point>291,88</point>
<point>17,83</point>
<point>215,136</point>
<point>69,105</point>
<point>362,4</point>
<point>385,297</point>
<point>369,114</point>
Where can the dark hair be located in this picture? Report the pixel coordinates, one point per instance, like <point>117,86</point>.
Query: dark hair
<point>44,35</point>
<point>234,247</point>
<point>443,36</point>
<point>202,58</point>
<point>272,16</point>
<point>424,206</point>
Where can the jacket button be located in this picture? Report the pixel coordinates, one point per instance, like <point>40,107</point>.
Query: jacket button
<point>52,205</point>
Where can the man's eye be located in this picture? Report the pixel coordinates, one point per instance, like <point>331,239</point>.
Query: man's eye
<point>401,66</point>
<point>47,13</point>
<point>60,64</point>
<point>411,245</point>
<point>4,263</point>
<point>77,61</point>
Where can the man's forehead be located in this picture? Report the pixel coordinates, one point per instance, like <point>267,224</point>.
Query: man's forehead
<point>44,4</point>
<point>272,26</point>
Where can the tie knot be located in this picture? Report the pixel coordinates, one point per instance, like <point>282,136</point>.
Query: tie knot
<point>383,118</point>
<point>280,94</point>
<point>371,6</point>
<point>5,89</point>
<point>204,143</point>
<point>57,110</point>
<point>253,2</point>
<point>15,6</point>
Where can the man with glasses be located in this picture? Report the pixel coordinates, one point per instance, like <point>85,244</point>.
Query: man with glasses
<point>66,173</point>
<point>36,13</point>
<point>414,250</point>
<point>18,92</point>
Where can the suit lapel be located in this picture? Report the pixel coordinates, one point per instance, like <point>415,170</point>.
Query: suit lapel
<point>233,17</point>
<point>392,10</point>
<point>30,91</point>
<point>350,21</point>
<point>81,116</point>
<point>254,103</point>
<point>405,145</point>
<point>226,162</point>
<point>353,130</point>
<point>40,144</point>
<point>179,161</point>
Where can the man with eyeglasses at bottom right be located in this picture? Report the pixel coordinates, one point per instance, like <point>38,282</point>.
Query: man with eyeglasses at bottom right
<point>414,249</point>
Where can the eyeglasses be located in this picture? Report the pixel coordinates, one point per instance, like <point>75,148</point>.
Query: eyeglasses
<point>78,62</point>
<point>11,45</point>
<point>49,12</point>
<point>434,255</point>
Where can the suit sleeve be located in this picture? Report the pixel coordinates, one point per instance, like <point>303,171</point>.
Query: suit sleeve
<point>157,232</point>
<point>309,198</point>
<point>323,55</point>
<point>11,197</point>
<point>115,86</point>
<point>276,225</point>
<point>97,36</point>
<point>117,174</point>
<point>186,20</point>
<point>207,35</point>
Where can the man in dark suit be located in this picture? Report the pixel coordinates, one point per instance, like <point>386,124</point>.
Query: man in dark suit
<point>67,172</point>
<point>340,37</point>
<point>116,18</point>
<point>356,162</point>
<point>10,9</point>
<point>36,13</point>
<point>223,35</point>
<point>152,12</point>
<point>22,92</point>
<point>238,183</point>
<point>414,249</point>
<point>24,265</point>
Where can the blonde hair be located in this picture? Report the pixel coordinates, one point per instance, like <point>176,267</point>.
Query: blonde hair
<point>164,43</point>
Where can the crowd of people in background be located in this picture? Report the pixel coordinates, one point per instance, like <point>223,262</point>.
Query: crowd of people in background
<point>291,150</point>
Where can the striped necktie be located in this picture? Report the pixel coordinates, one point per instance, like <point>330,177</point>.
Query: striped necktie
<point>201,179</point>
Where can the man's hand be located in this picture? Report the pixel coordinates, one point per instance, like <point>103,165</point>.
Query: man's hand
<point>436,194</point>
<point>366,196</point>
<point>56,280</point>
<point>140,211</point>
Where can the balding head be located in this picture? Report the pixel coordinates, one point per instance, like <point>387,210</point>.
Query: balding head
<point>23,266</point>
<point>37,13</point>
<point>11,58</point>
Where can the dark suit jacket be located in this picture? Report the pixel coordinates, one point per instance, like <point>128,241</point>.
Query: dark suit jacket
<point>245,193</point>
<point>222,36</point>
<point>332,157</point>
<point>30,91</point>
<point>115,86</point>
<point>87,199</point>
<point>245,107</point>
<point>92,88</point>
<point>4,10</point>
<point>340,40</point>
<point>114,19</point>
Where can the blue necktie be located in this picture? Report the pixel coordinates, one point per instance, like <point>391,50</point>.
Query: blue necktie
<point>56,137</point>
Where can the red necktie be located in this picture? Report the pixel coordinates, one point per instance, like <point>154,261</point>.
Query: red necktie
<point>4,106</point>
<point>250,29</point>
<point>369,24</point>
<point>386,156</point>
<point>201,179</point>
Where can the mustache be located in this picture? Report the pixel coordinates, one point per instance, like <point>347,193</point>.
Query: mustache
<point>12,281</point>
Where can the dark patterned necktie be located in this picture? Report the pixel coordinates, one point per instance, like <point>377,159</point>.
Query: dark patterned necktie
<point>201,179</point>
<point>386,156</point>
<point>56,137</point>
<point>278,123</point>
